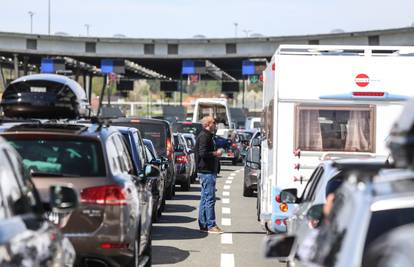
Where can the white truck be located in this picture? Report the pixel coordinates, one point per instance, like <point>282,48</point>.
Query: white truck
<point>321,102</point>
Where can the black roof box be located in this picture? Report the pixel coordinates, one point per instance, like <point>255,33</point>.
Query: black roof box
<point>401,138</point>
<point>45,96</point>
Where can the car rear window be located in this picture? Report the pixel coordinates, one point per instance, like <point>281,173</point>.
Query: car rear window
<point>156,133</point>
<point>383,221</point>
<point>192,128</point>
<point>45,155</point>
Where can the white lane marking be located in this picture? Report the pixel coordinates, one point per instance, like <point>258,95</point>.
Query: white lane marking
<point>226,221</point>
<point>227,238</point>
<point>226,187</point>
<point>230,178</point>
<point>225,200</point>
<point>229,182</point>
<point>226,193</point>
<point>225,210</point>
<point>227,260</point>
<point>232,174</point>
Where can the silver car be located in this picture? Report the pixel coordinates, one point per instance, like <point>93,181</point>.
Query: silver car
<point>364,209</point>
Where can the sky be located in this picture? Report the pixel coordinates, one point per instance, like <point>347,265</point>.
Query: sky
<point>212,18</point>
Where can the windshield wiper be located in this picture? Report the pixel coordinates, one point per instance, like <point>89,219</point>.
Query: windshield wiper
<point>52,174</point>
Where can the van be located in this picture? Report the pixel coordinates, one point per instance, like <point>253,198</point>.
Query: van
<point>215,107</point>
<point>324,102</point>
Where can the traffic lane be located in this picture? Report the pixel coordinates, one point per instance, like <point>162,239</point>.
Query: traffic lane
<point>178,242</point>
<point>246,232</point>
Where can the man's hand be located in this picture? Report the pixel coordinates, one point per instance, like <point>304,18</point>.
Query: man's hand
<point>218,153</point>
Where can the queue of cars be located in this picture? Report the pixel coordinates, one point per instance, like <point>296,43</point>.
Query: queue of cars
<point>81,190</point>
<point>355,205</point>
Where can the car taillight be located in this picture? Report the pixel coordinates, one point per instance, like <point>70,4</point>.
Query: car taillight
<point>278,221</point>
<point>169,149</point>
<point>181,159</point>
<point>277,198</point>
<point>113,195</point>
<point>283,207</point>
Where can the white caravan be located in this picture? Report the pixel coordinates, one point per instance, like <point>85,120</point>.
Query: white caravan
<point>326,101</point>
<point>216,107</point>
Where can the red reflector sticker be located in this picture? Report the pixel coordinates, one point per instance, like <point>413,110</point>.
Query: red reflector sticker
<point>368,94</point>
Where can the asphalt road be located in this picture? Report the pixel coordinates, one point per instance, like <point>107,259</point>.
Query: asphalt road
<point>178,242</point>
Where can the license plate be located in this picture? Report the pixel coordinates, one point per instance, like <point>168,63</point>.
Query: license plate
<point>34,89</point>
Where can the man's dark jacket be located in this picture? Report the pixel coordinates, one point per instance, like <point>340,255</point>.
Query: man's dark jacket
<point>204,148</point>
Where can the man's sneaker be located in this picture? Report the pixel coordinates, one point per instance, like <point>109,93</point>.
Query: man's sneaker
<point>215,230</point>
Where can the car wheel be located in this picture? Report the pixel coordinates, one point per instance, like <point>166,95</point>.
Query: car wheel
<point>169,192</point>
<point>186,185</point>
<point>247,192</point>
<point>148,251</point>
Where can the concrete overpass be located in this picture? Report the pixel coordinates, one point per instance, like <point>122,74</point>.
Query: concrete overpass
<point>165,56</point>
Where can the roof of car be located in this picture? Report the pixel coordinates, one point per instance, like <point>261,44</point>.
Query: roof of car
<point>357,163</point>
<point>141,120</point>
<point>65,128</point>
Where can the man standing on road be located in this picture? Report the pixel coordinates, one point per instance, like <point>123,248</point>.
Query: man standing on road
<point>207,159</point>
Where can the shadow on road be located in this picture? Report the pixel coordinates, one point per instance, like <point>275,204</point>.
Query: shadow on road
<point>168,255</point>
<point>178,208</point>
<point>176,233</point>
<point>176,219</point>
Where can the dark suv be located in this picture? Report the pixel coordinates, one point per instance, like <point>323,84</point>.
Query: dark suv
<point>160,134</point>
<point>93,159</point>
<point>26,237</point>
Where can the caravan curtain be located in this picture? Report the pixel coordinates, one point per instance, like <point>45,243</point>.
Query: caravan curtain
<point>310,136</point>
<point>358,131</point>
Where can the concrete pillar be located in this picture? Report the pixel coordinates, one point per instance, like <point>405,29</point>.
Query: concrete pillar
<point>2,80</point>
<point>16,66</point>
<point>86,84</point>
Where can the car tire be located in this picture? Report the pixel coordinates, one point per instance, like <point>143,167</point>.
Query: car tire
<point>247,192</point>
<point>169,192</point>
<point>186,185</point>
<point>148,251</point>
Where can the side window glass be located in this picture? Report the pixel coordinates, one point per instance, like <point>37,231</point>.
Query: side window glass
<point>140,149</point>
<point>149,154</point>
<point>123,155</point>
<point>26,186</point>
<point>308,186</point>
<point>113,156</point>
<point>16,202</point>
<point>315,183</point>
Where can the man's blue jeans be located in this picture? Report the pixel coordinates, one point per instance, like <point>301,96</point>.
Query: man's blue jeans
<point>206,213</point>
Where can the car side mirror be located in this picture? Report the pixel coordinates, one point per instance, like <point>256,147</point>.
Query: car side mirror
<point>315,213</point>
<point>256,142</point>
<point>156,162</point>
<point>279,246</point>
<point>151,171</point>
<point>63,199</point>
<point>289,195</point>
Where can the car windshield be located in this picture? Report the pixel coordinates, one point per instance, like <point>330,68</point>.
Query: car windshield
<point>187,128</point>
<point>59,157</point>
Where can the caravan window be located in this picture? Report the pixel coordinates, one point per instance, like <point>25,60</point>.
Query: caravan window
<point>349,129</point>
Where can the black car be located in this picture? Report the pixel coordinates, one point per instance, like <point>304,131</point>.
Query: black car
<point>160,134</point>
<point>183,162</point>
<point>27,238</point>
